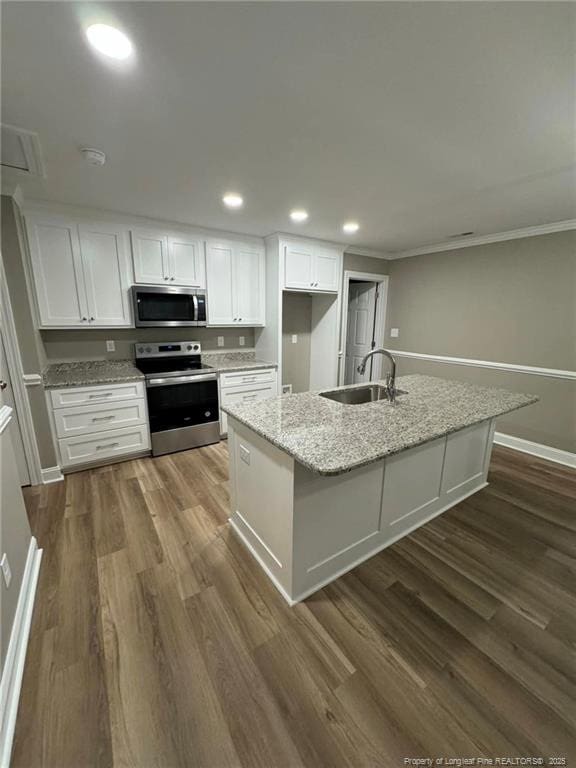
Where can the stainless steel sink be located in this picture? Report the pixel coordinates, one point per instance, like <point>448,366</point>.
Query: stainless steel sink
<point>359,395</point>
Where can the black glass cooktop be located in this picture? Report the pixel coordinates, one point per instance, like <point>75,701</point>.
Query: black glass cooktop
<point>170,365</point>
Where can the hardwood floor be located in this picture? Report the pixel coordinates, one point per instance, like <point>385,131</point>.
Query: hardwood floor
<point>158,641</point>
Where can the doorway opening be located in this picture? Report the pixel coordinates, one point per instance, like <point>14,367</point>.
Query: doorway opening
<point>364,299</point>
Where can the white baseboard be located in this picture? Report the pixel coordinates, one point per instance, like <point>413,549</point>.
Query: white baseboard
<point>536,449</point>
<point>13,671</point>
<point>52,475</point>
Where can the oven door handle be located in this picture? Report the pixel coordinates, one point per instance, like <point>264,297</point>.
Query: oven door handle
<point>173,380</point>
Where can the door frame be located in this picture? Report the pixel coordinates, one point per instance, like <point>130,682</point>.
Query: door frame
<point>382,282</point>
<point>16,372</point>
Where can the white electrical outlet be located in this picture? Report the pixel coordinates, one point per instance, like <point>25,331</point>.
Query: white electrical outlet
<point>286,389</point>
<point>241,340</point>
<point>394,332</point>
<point>6,571</point>
<point>220,341</point>
<point>294,338</point>
<point>111,346</point>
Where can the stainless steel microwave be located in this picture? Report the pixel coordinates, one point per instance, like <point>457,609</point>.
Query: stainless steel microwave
<point>163,306</point>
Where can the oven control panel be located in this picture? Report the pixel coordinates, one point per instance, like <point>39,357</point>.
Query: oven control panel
<point>167,349</point>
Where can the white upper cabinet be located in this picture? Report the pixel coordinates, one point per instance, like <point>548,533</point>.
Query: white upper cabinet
<point>168,259</point>
<point>310,267</point>
<point>249,285</point>
<point>57,271</point>
<point>80,272</point>
<point>299,267</point>
<point>235,283</point>
<point>106,276</point>
<point>150,255</point>
<point>186,261</point>
<point>328,267</point>
<point>220,279</point>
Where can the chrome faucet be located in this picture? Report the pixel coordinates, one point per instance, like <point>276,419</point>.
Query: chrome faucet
<point>390,377</point>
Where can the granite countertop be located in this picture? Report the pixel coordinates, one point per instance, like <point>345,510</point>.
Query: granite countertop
<point>90,372</point>
<point>330,438</point>
<point>94,372</point>
<point>227,362</point>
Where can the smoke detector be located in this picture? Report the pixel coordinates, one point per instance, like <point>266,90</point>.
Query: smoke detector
<point>93,156</point>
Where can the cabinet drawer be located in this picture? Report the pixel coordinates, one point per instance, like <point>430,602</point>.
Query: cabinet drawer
<point>244,378</point>
<point>87,419</point>
<point>106,393</point>
<point>243,396</point>
<point>106,445</point>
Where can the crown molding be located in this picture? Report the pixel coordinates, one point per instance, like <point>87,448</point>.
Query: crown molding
<point>497,237</point>
<point>354,250</point>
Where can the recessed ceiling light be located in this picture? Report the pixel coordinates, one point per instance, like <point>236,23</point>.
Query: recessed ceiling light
<point>232,200</point>
<point>298,215</point>
<point>109,41</point>
<point>350,227</point>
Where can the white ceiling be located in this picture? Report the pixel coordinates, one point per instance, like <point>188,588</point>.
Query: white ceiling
<point>421,120</point>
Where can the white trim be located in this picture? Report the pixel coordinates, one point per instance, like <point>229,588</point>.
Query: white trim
<point>51,475</point>
<point>536,449</point>
<point>238,531</point>
<point>16,372</point>
<point>381,307</point>
<point>554,373</point>
<point>353,250</point>
<point>5,417</point>
<point>31,379</point>
<point>497,237</point>
<point>13,671</point>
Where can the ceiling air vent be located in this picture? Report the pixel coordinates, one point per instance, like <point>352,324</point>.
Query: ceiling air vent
<point>21,151</point>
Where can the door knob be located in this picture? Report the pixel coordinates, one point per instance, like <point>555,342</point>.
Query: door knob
<point>3,385</point>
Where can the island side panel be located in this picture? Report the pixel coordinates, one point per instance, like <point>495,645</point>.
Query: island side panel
<point>261,501</point>
<point>343,520</point>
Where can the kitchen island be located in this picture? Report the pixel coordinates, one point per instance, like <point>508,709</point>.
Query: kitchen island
<point>318,486</point>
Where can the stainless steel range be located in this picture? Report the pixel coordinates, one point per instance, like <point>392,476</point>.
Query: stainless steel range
<point>182,395</point>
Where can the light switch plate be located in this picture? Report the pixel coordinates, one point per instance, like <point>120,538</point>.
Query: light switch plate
<point>6,570</point>
<point>241,340</point>
<point>220,341</point>
<point>394,332</point>
<point>111,346</point>
<point>294,338</point>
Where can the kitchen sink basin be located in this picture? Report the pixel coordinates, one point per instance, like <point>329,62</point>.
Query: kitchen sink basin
<point>359,395</point>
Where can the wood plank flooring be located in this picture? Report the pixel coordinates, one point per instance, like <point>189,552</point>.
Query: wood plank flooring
<point>158,642</point>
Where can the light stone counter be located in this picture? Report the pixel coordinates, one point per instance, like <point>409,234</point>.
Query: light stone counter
<point>329,438</point>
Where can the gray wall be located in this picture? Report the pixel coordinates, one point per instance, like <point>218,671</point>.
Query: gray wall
<point>511,302</point>
<point>354,262</point>
<point>29,341</point>
<point>296,318</point>
<point>91,344</point>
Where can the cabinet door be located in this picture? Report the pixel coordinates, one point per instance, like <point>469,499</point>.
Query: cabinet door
<point>327,272</point>
<point>105,263</point>
<point>219,283</point>
<point>298,267</point>
<point>150,255</point>
<point>57,271</point>
<point>249,285</point>
<point>186,261</point>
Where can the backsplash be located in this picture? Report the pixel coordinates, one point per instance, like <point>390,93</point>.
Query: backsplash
<point>91,345</point>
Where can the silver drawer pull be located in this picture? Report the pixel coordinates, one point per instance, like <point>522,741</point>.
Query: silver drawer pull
<point>101,394</point>
<point>249,378</point>
<point>103,418</point>
<point>249,397</point>
<point>106,445</point>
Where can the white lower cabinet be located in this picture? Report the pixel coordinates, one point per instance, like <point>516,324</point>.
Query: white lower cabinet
<point>244,387</point>
<point>98,423</point>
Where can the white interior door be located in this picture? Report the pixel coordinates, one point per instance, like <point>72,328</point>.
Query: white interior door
<point>7,398</point>
<point>360,332</point>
